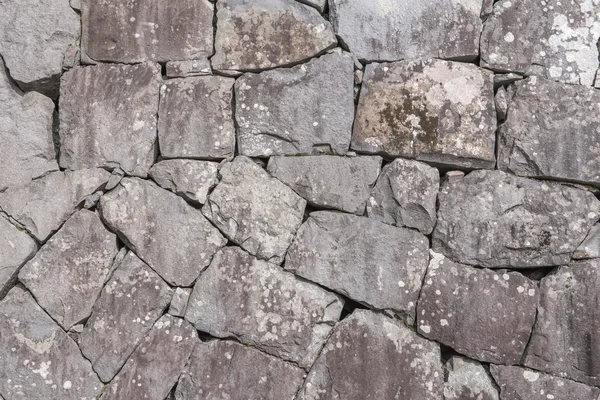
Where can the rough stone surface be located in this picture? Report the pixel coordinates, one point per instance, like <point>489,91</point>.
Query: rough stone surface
<point>187,68</point>
<point>196,118</point>
<point>263,306</point>
<point>305,109</point>
<point>341,183</point>
<point>590,247</point>
<point>261,34</point>
<point>254,210</point>
<point>179,302</point>
<point>117,128</point>
<point>228,370</point>
<point>436,111</point>
<point>405,195</point>
<point>398,30</point>
<point>164,231</point>
<point>318,4</point>
<point>190,179</point>
<point>495,220</point>
<point>482,314</point>
<point>132,300</point>
<point>468,380</point>
<point>16,248</point>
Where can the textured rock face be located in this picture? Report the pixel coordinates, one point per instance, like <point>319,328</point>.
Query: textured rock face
<point>553,39</point>
<point>179,302</point>
<point>304,109</point>
<point>468,380</point>
<point>155,223</point>
<point>370,356</point>
<point>16,248</point>
<point>118,128</point>
<point>262,34</point>
<point>478,312</point>
<point>496,220</point>
<point>189,179</point>
<point>436,111</point>
<point>254,210</point>
<point>341,183</point>
<point>263,306</point>
<point>187,68</point>
<point>228,370</point>
<point>195,118</point>
<point>590,247</point>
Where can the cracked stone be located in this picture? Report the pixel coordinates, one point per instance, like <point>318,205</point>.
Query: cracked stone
<point>590,247</point>
<point>189,179</point>
<point>16,248</point>
<point>468,380</point>
<point>318,4</point>
<point>179,302</point>
<point>188,68</point>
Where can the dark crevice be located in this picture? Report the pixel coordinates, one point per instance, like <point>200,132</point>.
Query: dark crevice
<point>526,350</point>
<point>349,307</point>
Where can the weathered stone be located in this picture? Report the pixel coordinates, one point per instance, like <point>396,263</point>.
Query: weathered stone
<point>67,274</point>
<point>44,204</point>
<point>318,4</point>
<point>468,380</point>
<point>179,302</point>
<point>371,357</point>
<point>255,210</point>
<point>436,111</point>
<point>228,370</point>
<point>16,248</point>
<point>496,220</point>
<point>132,300</point>
<point>405,195</point>
<point>164,231</point>
<point>263,306</point>
<point>557,37</point>
<point>155,365</point>
<point>506,79</point>
<point>518,383</point>
<point>261,34</point>
<point>92,200</point>
<point>118,127</point>
<point>189,179</point>
<point>375,264</point>
<point>342,183</point>
<point>551,132</point>
<point>196,118</point>
<point>482,314</point>
<point>501,99</point>
<point>117,31</point>
<point>405,29</point>
<point>305,109</point>
<point>590,247</point>
<point>39,360</point>
<point>187,68</point>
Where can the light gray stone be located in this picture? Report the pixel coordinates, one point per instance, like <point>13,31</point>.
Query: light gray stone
<point>92,200</point>
<point>187,68</point>
<point>590,247</point>
<point>497,220</point>
<point>501,100</point>
<point>468,380</point>
<point>179,302</point>
<point>437,111</point>
<point>163,230</point>
<point>263,306</point>
<point>318,4</point>
<point>189,179</point>
<point>16,248</point>
<point>305,109</point>
<point>255,210</point>
<point>115,178</point>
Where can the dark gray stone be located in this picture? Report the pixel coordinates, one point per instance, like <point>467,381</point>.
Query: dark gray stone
<point>190,179</point>
<point>16,248</point>
<point>187,68</point>
<point>468,380</point>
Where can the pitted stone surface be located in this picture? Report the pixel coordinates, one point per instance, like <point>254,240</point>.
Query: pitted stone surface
<point>437,111</point>
<point>189,179</point>
<point>482,314</point>
<point>305,109</point>
<point>468,380</point>
<point>494,219</point>
<point>163,230</point>
<point>590,247</point>
<point>263,306</point>
<point>187,68</point>
<point>16,248</point>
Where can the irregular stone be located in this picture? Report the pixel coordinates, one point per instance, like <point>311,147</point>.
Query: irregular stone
<point>117,128</point>
<point>318,4</point>
<point>399,30</point>
<point>482,314</point>
<point>590,247</point>
<point>179,302</point>
<point>116,31</point>
<point>518,383</point>
<point>305,109</point>
<point>370,356</point>
<point>501,100</point>
<point>92,200</point>
<point>44,204</point>
<point>39,360</point>
<point>263,306</point>
<point>162,229</point>
<point>506,79</point>
<point>261,34</point>
<point>115,178</point>
<point>196,118</point>
<point>189,179</point>
<point>187,68</point>
<point>255,210</point>
<point>16,248</point>
<point>155,365</point>
<point>68,273</point>
<point>436,111</point>
<point>405,195</point>
<point>468,380</point>
<point>228,370</point>
<point>375,264</point>
<point>342,183</point>
<point>131,301</point>
<point>559,38</point>
<point>497,220</point>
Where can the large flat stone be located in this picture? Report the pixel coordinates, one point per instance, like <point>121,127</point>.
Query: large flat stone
<point>16,248</point>
<point>261,305</point>
<point>118,127</point>
<point>189,179</point>
<point>255,210</point>
<point>468,380</point>
<point>164,231</point>
<point>494,219</point>
<point>305,109</point>
<point>437,111</point>
<point>482,314</point>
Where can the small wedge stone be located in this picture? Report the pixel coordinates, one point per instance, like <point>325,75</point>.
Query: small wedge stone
<point>179,302</point>
<point>590,247</point>
<point>187,68</point>
<point>189,179</point>
<point>468,380</point>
